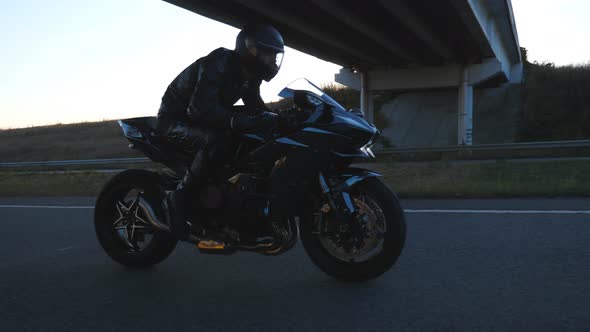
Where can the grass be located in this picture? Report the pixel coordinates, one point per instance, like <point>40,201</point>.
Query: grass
<point>52,184</point>
<point>433,180</point>
<point>62,142</point>
<point>500,179</point>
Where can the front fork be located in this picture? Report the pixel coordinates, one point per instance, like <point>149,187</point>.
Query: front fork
<point>334,196</point>
<point>339,200</point>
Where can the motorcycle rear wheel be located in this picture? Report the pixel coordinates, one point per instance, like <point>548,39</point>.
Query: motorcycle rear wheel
<point>123,234</point>
<point>383,204</point>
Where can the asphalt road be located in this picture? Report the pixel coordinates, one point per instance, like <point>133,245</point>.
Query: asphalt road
<point>496,269</point>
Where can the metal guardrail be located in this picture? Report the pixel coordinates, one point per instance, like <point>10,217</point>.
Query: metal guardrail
<point>460,150</point>
<point>82,162</point>
<point>488,147</point>
<point>483,152</point>
<point>486,152</point>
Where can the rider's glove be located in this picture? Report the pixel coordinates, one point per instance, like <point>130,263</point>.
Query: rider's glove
<point>260,123</point>
<point>288,118</point>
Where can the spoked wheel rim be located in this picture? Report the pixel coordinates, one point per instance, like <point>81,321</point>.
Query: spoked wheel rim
<point>361,239</point>
<point>129,224</point>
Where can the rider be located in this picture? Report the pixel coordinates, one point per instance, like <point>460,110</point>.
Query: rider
<point>198,106</point>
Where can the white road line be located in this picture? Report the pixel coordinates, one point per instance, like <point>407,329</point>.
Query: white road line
<point>502,211</point>
<point>406,210</point>
<point>64,249</point>
<point>44,207</point>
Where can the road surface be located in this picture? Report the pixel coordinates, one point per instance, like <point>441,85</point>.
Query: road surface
<point>468,265</point>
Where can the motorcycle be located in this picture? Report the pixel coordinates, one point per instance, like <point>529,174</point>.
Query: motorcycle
<point>350,223</point>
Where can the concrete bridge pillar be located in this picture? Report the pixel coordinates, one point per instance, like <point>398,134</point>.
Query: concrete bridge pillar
<point>465,112</point>
<point>366,97</point>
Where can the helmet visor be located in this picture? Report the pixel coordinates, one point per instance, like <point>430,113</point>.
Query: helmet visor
<point>279,59</point>
<point>271,58</point>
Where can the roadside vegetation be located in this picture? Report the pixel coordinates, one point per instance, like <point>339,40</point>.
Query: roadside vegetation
<point>494,179</point>
<point>556,107</point>
<point>87,140</point>
<point>556,102</point>
<point>425,179</point>
<point>52,184</point>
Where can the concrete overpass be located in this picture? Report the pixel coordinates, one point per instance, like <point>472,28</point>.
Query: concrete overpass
<point>400,45</point>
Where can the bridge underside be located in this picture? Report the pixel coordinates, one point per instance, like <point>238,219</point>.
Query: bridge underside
<point>392,44</point>
<point>392,33</point>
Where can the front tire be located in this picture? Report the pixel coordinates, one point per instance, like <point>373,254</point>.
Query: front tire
<point>392,239</point>
<point>120,240</point>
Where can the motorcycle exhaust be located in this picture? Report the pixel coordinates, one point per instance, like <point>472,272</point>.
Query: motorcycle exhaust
<point>154,221</point>
<point>284,238</point>
<point>152,218</point>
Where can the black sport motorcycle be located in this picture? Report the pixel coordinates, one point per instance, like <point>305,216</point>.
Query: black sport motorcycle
<point>351,224</point>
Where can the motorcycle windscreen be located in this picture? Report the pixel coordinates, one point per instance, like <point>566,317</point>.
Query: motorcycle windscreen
<point>303,84</point>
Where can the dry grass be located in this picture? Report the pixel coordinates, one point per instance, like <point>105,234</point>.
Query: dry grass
<point>62,142</point>
<point>501,179</point>
<point>52,184</point>
<point>436,179</point>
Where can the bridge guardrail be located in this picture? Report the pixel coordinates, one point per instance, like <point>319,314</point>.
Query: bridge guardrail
<point>554,149</point>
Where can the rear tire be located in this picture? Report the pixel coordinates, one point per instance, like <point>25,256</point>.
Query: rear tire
<point>393,238</point>
<point>115,190</point>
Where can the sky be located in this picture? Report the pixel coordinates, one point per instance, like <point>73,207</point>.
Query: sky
<point>554,31</point>
<point>66,61</point>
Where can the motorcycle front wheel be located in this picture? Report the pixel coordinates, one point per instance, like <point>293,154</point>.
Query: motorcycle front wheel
<point>366,246</point>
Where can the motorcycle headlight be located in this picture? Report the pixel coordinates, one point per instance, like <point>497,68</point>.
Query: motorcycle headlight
<point>367,147</point>
<point>373,139</point>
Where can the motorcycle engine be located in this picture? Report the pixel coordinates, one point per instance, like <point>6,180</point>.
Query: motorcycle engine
<point>211,197</point>
<point>236,193</point>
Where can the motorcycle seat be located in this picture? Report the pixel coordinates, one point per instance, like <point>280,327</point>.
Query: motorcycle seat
<point>146,124</point>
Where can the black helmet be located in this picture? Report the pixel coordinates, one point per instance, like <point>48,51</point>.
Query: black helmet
<point>261,50</point>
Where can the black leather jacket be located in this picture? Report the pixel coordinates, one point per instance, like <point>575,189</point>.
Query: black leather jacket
<point>204,93</point>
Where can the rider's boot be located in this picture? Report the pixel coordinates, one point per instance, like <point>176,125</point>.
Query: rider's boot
<point>177,203</point>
